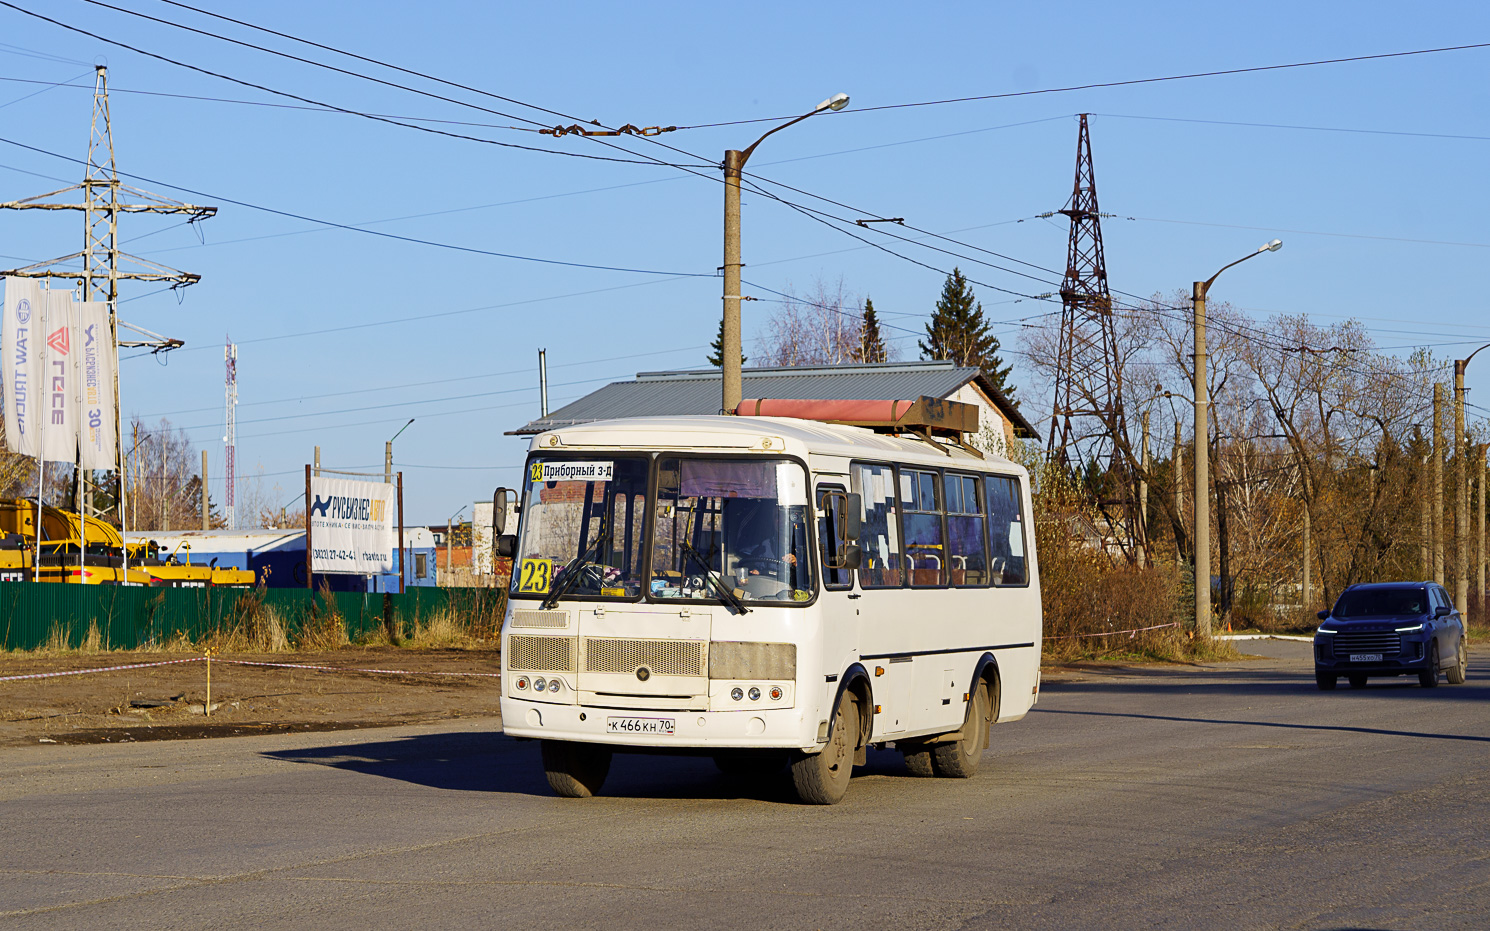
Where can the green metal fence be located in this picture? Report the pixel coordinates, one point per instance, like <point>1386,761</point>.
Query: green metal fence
<point>33,614</point>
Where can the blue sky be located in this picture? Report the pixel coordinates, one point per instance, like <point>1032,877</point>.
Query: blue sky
<point>344,336</point>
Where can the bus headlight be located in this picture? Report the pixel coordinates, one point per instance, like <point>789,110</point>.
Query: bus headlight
<point>737,693</point>
<point>539,684</point>
<point>755,694</point>
<point>554,685</point>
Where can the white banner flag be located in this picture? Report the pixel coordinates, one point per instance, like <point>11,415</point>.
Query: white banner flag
<point>352,527</point>
<point>94,349</point>
<point>20,344</point>
<point>59,435</point>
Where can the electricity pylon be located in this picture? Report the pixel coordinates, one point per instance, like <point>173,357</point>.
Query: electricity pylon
<point>1087,422</point>
<point>103,265</point>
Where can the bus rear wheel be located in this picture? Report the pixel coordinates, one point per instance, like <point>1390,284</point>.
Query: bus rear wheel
<point>958,759</point>
<point>822,778</point>
<point>575,770</point>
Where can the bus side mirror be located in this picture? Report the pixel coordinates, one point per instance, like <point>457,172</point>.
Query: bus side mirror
<point>851,556</point>
<point>506,546</point>
<point>854,512</point>
<point>501,500</point>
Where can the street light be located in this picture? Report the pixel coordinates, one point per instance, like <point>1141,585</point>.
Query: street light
<point>1461,492</point>
<point>388,454</point>
<point>1202,450</point>
<point>734,165</point>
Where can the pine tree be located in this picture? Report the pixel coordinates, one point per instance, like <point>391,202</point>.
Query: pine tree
<point>872,342</point>
<point>716,358</point>
<point>959,332</point>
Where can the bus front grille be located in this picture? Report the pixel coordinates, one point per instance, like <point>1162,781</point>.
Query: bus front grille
<point>526,618</point>
<point>659,657</point>
<point>537,653</point>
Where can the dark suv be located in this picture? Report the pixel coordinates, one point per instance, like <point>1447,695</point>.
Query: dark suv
<point>1390,629</point>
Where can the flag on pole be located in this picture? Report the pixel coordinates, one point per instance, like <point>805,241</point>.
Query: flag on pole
<point>95,362</point>
<point>20,353</point>
<point>59,435</point>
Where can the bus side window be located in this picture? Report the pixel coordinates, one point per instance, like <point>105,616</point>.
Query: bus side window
<point>965,545</point>
<point>1006,531</point>
<point>925,554</point>
<point>827,535</point>
<point>880,533</point>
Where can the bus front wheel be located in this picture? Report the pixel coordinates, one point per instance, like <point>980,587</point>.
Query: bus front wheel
<point>575,770</point>
<point>822,778</point>
<point>958,759</point>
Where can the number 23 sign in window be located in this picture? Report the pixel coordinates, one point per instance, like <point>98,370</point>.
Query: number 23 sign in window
<point>536,576</point>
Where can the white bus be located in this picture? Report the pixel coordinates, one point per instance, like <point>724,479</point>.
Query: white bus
<point>772,591</point>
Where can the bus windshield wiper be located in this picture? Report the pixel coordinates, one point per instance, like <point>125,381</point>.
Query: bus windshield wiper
<point>730,597</point>
<point>571,572</point>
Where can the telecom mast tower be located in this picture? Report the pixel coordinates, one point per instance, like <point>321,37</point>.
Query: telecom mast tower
<point>230,437</point>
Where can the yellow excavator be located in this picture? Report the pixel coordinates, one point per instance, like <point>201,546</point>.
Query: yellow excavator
<point>85,550</point>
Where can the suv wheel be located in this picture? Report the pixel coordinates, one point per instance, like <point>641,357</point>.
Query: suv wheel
<point>1428,678</point>
<point>1458,672</point>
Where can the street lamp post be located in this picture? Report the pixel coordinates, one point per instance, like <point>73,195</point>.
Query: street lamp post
<point>1461,491</point>
<point>388,454</point>
<point>734,166</point>
<point>1202,450</point>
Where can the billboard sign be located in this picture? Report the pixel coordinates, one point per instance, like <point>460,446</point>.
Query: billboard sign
<point>352,526</point>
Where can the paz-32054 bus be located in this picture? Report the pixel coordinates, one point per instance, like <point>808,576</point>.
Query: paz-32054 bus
<point>773,591</point>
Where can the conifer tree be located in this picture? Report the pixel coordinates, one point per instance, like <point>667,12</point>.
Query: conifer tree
<point>959,332</point>
<point>716,358</point>
<point>873,343</point>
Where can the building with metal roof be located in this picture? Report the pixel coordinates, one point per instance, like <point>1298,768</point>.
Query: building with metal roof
<point>698,392</point>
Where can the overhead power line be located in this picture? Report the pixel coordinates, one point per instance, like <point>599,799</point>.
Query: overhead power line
<point>358,229</point>
<point>1320,129</point>
<point>1126,83</point>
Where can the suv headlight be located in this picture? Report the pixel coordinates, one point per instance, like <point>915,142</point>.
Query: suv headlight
<point>1412,629</point>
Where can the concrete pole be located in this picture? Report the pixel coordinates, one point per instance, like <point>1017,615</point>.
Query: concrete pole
<point>543,382</point>
<point>1438,483</point>
<point>317,470</point>
<point>1202,474</point>
<point>1461,499</point>
<point>734,161</point>
<point>206,505</point>
<point>388,462</point>
<point>1143,497</point>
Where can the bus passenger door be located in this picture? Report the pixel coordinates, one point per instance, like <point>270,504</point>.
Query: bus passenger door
<point>838,604</point>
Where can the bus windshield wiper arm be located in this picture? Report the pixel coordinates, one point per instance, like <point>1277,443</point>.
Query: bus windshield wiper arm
<point>571,573</point>
<point>730,597</point>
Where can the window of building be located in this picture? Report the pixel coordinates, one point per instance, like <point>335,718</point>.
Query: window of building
<point>1006,531</point>
<point>925,554</point>
<point>966,547</point>
<point>421,565</point>
<point>880,535</point>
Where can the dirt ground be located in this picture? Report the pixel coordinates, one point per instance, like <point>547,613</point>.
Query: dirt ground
<point>167,702</point>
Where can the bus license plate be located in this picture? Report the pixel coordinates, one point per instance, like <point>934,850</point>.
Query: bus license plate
<point>1365,657</point>
<point>639,725</point>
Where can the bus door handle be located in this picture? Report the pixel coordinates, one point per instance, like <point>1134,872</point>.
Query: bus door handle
<point>854,595</point>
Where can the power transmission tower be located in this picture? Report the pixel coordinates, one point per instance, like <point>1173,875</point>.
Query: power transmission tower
<point>101,265</point>
<point>1087,423</point>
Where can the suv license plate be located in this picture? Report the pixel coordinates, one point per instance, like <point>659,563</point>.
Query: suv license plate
<point>639,725</point>
<point>1365,657</point>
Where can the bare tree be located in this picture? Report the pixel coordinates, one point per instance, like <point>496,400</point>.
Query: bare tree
<point>823,328</point>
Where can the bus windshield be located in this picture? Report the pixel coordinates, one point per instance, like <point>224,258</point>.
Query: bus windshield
<point>582,528</point>
<point>740,524</point>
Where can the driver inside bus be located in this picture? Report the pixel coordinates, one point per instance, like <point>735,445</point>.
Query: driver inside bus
<point>761,546</point>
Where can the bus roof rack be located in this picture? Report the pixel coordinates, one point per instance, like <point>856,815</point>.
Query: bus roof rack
<point>926,416</point>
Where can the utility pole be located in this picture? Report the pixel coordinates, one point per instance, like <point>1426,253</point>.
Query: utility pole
<point>1438,483</point>
<point>1143,497</point>
<point>1461,498</point>
<point>317,470</point>
<point>543,382</point>
<point>103,265</point>
<point>206,505</point>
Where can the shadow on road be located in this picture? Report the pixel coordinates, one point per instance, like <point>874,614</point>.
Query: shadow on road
<point>491,762</point>
<point>1264,682</point>
<point>1278,724</point>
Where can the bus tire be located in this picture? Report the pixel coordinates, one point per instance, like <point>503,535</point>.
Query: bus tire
<point>958,759</point>
<point>917,758</point>
<point>822,778</point>
<point>751,763</point>
<point>575,770</point>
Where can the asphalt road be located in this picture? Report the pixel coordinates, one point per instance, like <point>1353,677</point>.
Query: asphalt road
<point>1234,797</point>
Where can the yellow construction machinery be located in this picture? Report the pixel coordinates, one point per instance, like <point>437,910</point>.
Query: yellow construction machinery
<point>84,550</point>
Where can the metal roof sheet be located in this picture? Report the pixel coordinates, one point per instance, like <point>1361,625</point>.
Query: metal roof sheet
<point>697,392</point>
